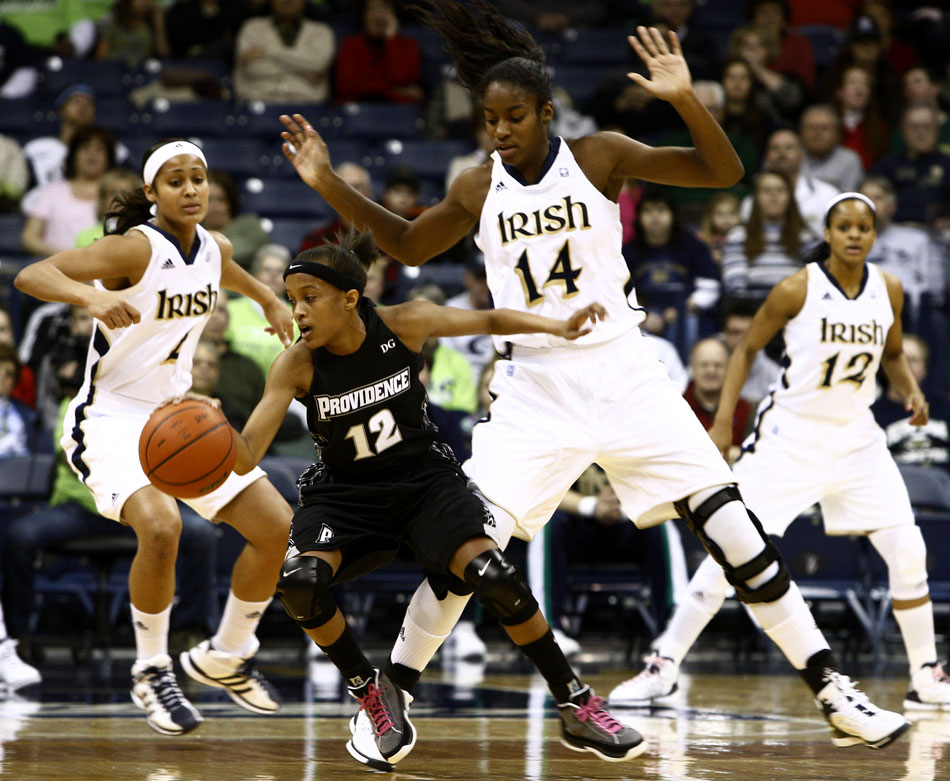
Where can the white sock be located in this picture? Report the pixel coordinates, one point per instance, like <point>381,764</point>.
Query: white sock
<point>427,623</point>
<point>917,629</point>
<point>791,626</point>
<point>151,632</point>
<point>704,596</point>
<point>238,624</point>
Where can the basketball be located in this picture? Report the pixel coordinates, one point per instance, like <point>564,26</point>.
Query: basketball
<point>187,448</point>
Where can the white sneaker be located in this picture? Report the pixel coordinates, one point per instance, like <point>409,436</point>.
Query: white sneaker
<point>464,643</point>
<point>853,717</point>
<point>569,646</point>
<point>14,672</point>
<point>381,732</point>
<point>929,689</point>
<point>233,673</point>
<point>655,682</point>
<point>155,690</point>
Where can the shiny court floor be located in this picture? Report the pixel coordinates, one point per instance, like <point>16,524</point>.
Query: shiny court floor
<point>473,722</point>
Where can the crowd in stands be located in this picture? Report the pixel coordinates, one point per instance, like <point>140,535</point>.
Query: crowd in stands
<point>816,97</point>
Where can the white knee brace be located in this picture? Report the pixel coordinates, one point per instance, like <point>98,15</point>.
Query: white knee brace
<point>904,552</point>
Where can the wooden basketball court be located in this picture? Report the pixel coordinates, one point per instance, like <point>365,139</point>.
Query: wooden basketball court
<point>80,725</point>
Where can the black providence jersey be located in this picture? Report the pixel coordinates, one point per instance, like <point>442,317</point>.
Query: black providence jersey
<point>367,411</point>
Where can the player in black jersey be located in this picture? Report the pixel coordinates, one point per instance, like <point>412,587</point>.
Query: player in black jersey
<point>383,480</point>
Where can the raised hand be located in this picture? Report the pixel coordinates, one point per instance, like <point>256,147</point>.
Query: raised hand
<point>669,74</point>
<point>304,147</point>
<point>573,327</point>
<point>281,322</point>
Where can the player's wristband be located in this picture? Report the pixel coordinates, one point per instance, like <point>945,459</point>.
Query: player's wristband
<point>586,506</point>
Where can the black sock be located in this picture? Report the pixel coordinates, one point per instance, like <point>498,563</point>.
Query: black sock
<point>404,677</point>
<point>816,666</point>
<point>553,665</point>
<point>349,659</point>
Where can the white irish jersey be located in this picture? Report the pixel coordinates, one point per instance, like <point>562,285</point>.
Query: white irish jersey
<point>151,360</point>
<point>554,247</point>
<point>833,347</point>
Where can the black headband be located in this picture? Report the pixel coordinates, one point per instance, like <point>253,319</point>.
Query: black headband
<point>331,275</point>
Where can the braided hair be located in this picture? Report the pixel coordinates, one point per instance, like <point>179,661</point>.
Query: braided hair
<point>487,47</point>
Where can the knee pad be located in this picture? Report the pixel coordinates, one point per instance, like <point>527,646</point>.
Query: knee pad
<point>904,551</point>
<point>774,587</point>
<point>500,588</point>
<point>304,590</point>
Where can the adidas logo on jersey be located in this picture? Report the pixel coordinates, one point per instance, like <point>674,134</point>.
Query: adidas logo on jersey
<point>826,297</point>
<point>326,534</point>
<point>169,263</point>
<point>500,186</point>
<point>564,173</point>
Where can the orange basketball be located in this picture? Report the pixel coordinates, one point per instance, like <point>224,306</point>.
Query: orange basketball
<point>187,448</point>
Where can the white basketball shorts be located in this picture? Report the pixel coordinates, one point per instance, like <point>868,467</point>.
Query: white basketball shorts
<point>557,411</point>
<point>791,462</point>
<point>101,444</point>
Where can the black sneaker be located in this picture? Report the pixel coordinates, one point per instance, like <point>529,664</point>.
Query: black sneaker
<point>587,726</point>
<point>155,690</point>
<point>381,732</point>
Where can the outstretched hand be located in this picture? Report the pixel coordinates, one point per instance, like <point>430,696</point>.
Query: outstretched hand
<point>281,322</point>
<point>917,404</point>
<point>573,327</point>
<point>669,74</point>
<point>304,147</point>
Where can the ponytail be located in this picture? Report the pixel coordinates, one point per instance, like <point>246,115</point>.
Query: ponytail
<point>130,208</point>
<point>821,251</point>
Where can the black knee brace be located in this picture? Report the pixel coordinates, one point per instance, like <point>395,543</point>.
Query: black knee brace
<point>304,588</point>
<point>500,588</point>
<point>696,519</point>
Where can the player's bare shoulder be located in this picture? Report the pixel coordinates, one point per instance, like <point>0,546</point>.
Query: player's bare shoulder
<point>223,242</point>
<point>293,368</point>
<point>788,296</point>
<point>470,188</point>
<point>597,155</point>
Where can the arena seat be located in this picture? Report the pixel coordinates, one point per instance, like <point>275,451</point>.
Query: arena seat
<point>579,81</point>
<point>381,121</point>
<point>929,490</point>
<point>283,198</point>
<point>11,225</point>
<point>591,46</point>
<point>116,114</point>
<point>825,40</point>
<point>263,119</point>
<point>428,159</point>
<point>342,150</point>
<point>26,118</point>
<point>107,77</point>
<point>207,118</point>
<point>290,231</point>
<point>241,157</point>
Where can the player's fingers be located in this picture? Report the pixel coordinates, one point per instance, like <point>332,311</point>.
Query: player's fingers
<point>133,313</point>
<point>638,47</point>
<point>675,46</point>
<point>657,38</point>
<point>646,38</point>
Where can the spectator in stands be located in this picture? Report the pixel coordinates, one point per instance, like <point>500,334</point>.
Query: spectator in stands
<point>71,515</point>
<point>114,181</point>
<point>863,128</point>
<point>784,153</point>
<point>224,214</point>
<point>452,383</point>
<point>759,47</point>
<point>897,51</point>
<point>379,63</point>
<point>25,387</point>
<point>922,86</point>
<point>206,380</point>
<point>284,57</point>
<point>795,57</point>
<point>864,48</point>
<point>748,112</point>
<point>824,156</point>
<point>720,216</point>
<point>921,175</point>
<point>926,445</point>
<point>14,174</point>
<point>699,49</point>
<point>132,32</point>
<point>62,209</point>
<point>401,192</point>
<point>479,349</point>
<point>768,247</point>
<point>554,15</point>
<point>18,76</point>
<point>707,365</point>
<point>737,318</point>
<point>359,179</point>
<point>905,251</point>
<point>205,29</point>
<point>19,427</point>
<point>61,367</point>
<point>483,148</point>
<point>247,332</point>
<point>621,104</point>
<point>668,264</point>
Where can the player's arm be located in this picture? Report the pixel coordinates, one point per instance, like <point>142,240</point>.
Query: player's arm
<point>783,303</point>
<point>894,362</point>
<point>235,278</point>
<point>411,242</point>
<point>416,321</point>
<point>289,377</point>
<point>66,275</point>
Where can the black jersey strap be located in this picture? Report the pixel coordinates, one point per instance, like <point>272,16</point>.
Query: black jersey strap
<point>323,271</point>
